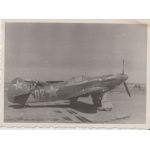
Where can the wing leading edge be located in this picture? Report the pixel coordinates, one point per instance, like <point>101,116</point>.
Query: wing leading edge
<point>89,91</point>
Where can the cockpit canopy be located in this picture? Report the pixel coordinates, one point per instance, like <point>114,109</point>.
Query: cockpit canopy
<point>77,79</point>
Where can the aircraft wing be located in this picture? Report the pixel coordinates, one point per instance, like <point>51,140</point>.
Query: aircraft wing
<point>89,91</point>
<point>54,81</point>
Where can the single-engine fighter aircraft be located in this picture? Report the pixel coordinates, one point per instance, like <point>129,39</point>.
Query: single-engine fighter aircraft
<point>82,86</point>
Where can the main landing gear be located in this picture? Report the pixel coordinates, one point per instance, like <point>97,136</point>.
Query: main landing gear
<point>97,101</point>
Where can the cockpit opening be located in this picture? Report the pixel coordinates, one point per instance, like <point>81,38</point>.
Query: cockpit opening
<point>77,79</point>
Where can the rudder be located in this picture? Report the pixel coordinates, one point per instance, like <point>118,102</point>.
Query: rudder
<point>18,91</point>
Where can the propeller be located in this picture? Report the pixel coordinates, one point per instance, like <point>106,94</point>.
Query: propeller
<point>123,67</point>
<point>127,90</point>
<point>125,85</point>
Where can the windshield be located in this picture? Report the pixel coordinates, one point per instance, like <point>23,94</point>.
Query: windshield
<point>76,79</point>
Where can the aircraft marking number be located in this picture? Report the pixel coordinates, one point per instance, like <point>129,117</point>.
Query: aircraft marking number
<point>38,93</point>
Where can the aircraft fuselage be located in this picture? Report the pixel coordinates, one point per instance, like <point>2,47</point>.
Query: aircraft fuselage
<point>67,89</point>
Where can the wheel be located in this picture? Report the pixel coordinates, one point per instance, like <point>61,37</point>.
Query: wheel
<point>97,100</point>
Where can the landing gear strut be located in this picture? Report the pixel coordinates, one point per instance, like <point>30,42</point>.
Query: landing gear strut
<point>97,99</point>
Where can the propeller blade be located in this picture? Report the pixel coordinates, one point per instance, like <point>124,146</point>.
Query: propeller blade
<point>123,67</point>
<point>127,90</point>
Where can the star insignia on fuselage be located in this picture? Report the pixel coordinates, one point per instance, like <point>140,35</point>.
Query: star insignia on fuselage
<point>18,85</point>
<point>53,91</point>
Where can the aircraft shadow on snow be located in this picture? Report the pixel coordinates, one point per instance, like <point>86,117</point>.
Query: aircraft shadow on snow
<point>79,106</point>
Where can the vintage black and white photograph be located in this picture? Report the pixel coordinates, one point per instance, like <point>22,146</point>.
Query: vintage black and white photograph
<point>93,73</point>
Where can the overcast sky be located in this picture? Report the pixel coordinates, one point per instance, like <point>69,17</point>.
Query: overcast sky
<point>49,51</point>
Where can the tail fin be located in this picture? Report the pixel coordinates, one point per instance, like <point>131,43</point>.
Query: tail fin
<point>18,91</point>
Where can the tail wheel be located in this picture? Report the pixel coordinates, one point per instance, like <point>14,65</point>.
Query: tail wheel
<point>97,99</point>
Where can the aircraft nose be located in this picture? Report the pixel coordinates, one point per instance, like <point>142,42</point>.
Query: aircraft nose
<point>125,77</point>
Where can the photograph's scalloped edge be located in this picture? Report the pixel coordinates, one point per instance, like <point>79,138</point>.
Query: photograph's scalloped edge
<point>74,125</point>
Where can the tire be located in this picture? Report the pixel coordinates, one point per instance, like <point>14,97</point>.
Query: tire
<point>97,100</point>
